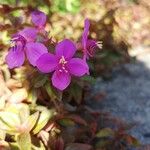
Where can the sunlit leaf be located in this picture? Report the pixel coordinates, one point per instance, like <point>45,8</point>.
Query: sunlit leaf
<point>9,120</point>
<point>45,115</point>
<point>66,6</point>
<point>2,102</point>
<point>2,135</point>
<point>30,122</point>
<point>32,96</point>
<point>14,146</point>
<point>106,132</point>
<point>18,96</point>
<point>24,141</point>
<point>24,113</point>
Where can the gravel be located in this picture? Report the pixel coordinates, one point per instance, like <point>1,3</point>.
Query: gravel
<point>128,95</point>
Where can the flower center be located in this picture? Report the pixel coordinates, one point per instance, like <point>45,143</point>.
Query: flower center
<point>63,63</point>
<point>18,40</point>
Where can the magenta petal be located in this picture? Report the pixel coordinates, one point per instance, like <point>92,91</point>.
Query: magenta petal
<point>61,80</point>
<point>65,48</point>
<point>78,67</point>
<point>34,51</point>
<point>85,33</point>
<point>29,34</point>
<point>91,47</point>
<point>15,58</point>
<point>38,18</point>
<point>46,63</point>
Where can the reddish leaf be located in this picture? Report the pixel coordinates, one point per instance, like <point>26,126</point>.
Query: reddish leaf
<point>78,119</point>
<point>78,146</point>
<point>99,96</point>
<point>59,144</point>
<point>131,140</point>
<point>93,127</point>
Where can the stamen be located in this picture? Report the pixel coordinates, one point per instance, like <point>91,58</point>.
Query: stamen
<point>62,60</point>
<point>99,44</point>
<point>63,63</point>
<point>15,39</point>
<point>14,48</point>
<point>63,68</point>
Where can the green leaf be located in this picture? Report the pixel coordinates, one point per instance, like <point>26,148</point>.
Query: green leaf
<point>102,143</point>
<point>43,119</point>
<point>89,79</point>
<point>24,141</point>
<point>41,147</point>
<point>40,81</point>
<point>106,132</point>
<point>65,6</point>
<point>13,109</point>
<point>66,122</point>
<point>24,113</point>
<point>30,122</point>
<point>32,96</point>
<point>76,92</point>
<point>13,146</point>
<point>51,92</point>
<point>9,121</point>
<point>135,142</point>
<point>2,135</point>
<point>9,2</point>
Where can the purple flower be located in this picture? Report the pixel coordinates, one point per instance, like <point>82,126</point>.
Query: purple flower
<point>38,18</point>
<point>87,45</point>
<point>63,64</point>
<point>23,44</point>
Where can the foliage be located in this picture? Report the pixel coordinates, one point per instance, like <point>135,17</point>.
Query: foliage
<point>35,115</point>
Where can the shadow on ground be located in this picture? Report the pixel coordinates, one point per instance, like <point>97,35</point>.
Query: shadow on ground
<point>128,95</point>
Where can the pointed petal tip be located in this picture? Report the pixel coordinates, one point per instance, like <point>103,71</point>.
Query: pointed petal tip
<point>61,80</point>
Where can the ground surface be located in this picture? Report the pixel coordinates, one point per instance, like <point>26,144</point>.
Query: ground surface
<point>128,95</point>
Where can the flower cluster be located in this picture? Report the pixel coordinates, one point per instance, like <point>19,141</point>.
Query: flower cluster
<point>63,63</point>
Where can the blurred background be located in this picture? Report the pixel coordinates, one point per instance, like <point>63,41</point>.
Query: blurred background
<point>119,24</point>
